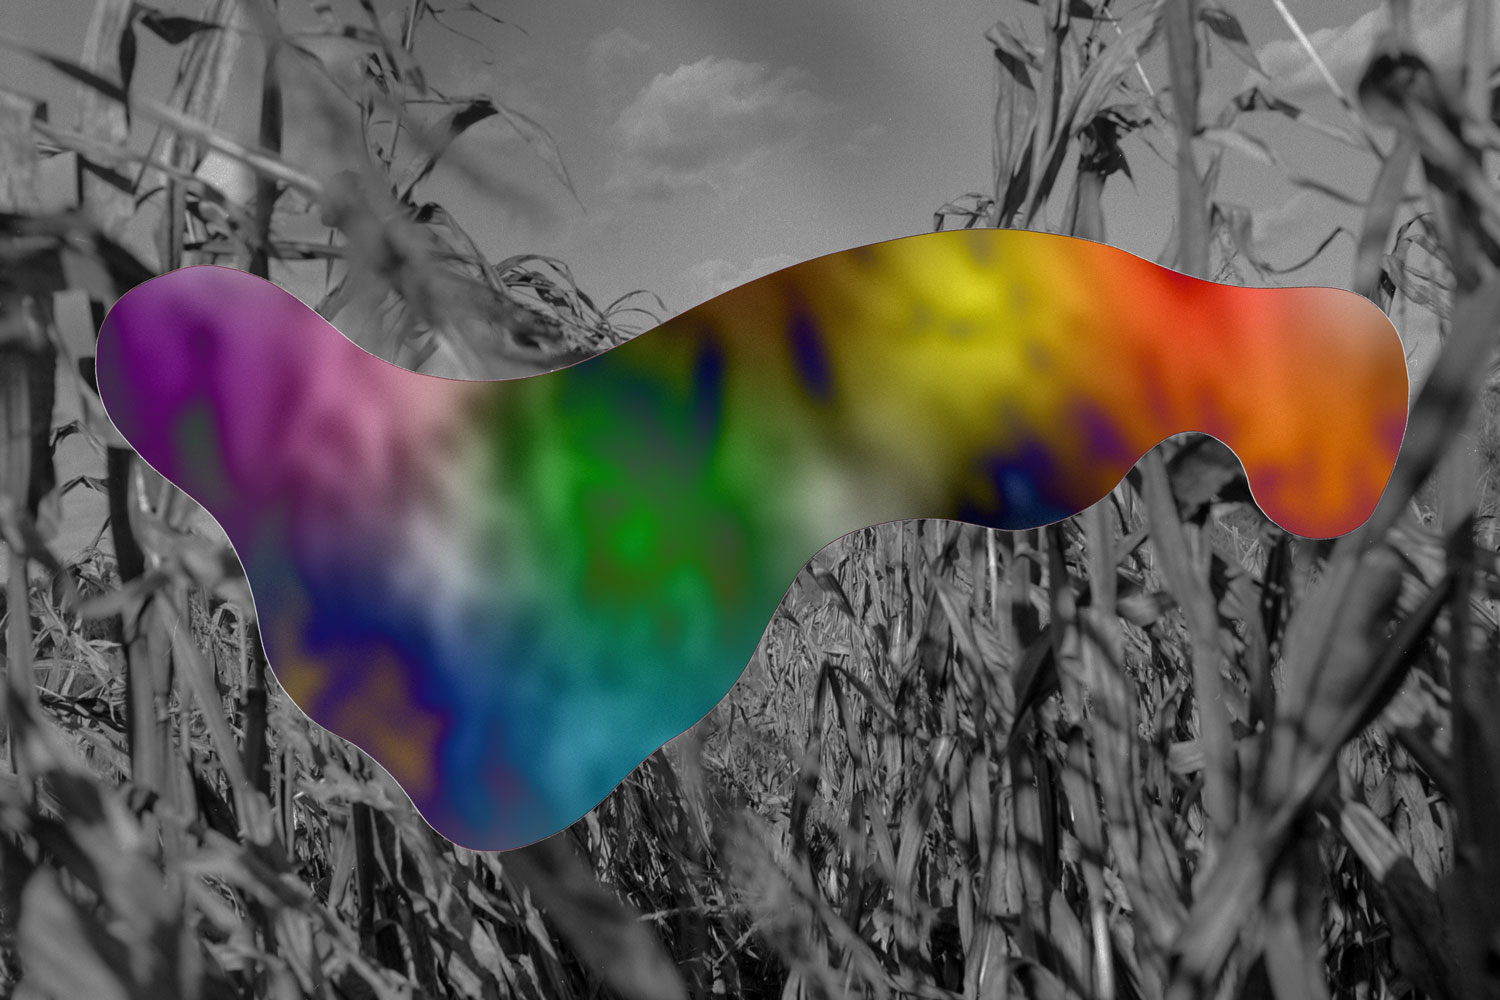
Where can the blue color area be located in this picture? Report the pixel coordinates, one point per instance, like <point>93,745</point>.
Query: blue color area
<point>708,393</point>
<point>1106,442</point>
<point>1024,481</point>
<point>807,350</point>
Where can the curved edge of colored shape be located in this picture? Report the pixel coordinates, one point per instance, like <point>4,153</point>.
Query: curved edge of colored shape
<point>109,375</point>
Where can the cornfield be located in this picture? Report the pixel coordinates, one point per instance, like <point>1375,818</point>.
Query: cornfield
<point>1159,750</point>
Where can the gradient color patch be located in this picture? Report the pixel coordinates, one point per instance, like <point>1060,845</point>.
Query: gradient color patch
<point>510,593</point>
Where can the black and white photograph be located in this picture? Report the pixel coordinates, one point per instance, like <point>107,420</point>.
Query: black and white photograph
<point>1163,749</point>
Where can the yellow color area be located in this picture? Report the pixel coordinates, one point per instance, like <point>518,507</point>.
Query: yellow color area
<point>975,332</point>
<point>917,360</point>
<point>384,718</point>
<point>924,349</point>
<point>302,677</point>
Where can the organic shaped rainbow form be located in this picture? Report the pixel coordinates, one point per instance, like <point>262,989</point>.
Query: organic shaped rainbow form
<point>510,593</point>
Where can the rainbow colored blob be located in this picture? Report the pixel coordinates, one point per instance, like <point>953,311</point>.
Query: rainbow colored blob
<point>510,593</point>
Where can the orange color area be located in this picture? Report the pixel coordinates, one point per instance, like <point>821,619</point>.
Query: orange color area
<point>385,717</point>
<point>946,349</point>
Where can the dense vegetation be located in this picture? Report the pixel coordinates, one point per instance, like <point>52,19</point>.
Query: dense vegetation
<point>1159,750</point>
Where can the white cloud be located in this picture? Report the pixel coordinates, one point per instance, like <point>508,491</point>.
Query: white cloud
<point>611,57</point>
<point>714,277</point>
<point>1438,34</point>
<point>705,125</point>
<point>864,138</point>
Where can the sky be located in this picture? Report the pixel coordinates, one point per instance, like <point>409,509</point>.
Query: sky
<point>712,141</point>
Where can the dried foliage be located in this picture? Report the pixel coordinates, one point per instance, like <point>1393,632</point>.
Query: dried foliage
<point>1159,750</point>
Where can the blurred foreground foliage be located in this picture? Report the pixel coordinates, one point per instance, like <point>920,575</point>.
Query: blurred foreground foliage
<point>1159,750</point>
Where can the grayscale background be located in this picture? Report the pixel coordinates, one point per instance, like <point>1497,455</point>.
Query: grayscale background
<point>1162,749</point>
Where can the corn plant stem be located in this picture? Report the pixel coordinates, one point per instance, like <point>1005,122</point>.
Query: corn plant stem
<point>104,115</point>
<point>408,45</point>
<point>267,191</point>
<point>1173,539</point>
<point>19,681</point>
<point>409,36</point>
<point>17,388</point>
<point>1478,21</point>
<point>1112,728</point>
<point>1192,208</point>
